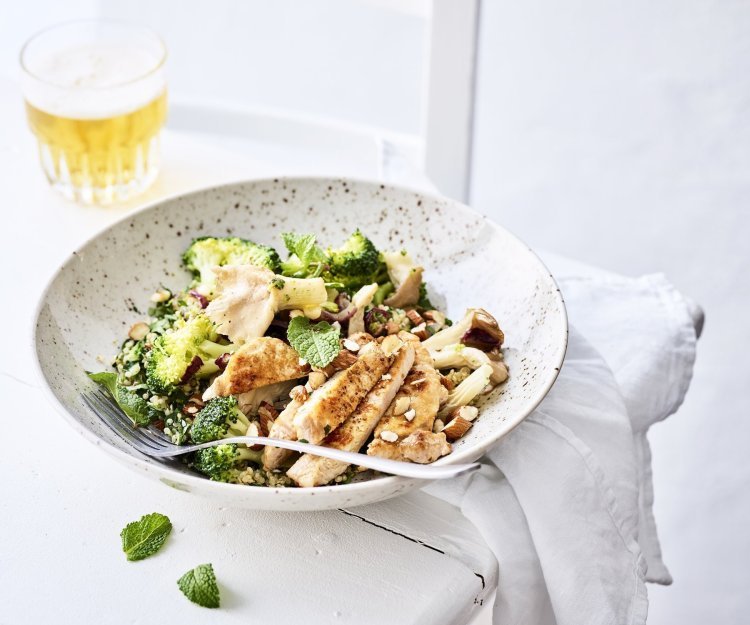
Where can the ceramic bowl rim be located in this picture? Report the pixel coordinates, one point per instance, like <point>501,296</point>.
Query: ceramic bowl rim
<point>382,483</point>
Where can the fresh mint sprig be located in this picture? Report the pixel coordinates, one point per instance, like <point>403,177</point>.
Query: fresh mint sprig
<point>199,585</point>
<point>143,538</point>
<point>317,344</point>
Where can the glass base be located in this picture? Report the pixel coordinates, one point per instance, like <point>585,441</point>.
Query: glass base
<point>101,179</point>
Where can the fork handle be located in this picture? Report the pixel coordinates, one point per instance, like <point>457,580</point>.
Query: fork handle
<point>393,467</point>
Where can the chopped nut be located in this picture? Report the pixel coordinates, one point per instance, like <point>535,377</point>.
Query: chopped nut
<point>414,317</point>
<point>138,331</point>
<point>438,426</point>
<point>254,430</point>
<point>266,415</point>
<point>344,359</point>
<point>469,413</point>
<point>420,331</point>
<point>190,409</point>
<point>391,327</point>
<point>434,315</point>
<point>402,405</point>
<point>162,295</point>
<point>351,345</point>
<point>391,344</point>
<point>388,436</point>
<point>316,380</point>
<point>197,400</point>
<point>456,428</point>
<point>299,393</point>
<point>447,383</point>
<point>410,414</point>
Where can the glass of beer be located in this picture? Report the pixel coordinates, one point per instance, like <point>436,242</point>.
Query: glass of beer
<point>96,100</point>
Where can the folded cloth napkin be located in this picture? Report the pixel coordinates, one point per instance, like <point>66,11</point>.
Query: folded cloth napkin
<point>565,500</point>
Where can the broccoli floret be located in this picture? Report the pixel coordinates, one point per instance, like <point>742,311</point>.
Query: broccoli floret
<point>356,263</point>
<point>188,349</point>
<point>205,253</point>
<point>224,463</point>
<point>221,417</point>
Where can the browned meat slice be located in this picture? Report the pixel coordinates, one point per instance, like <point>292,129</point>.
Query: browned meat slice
<point>259,362</point>
<point>282,428</point>
<point>330,405</point>
<point>422,447</point>
<point>415,406</point>
<point>312,470</point>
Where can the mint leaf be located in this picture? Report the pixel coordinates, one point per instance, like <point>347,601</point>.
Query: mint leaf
<point>132,404</point>
<point>141,539</point>
<point>199,585</point>
<point>304,247</point>
<point>306,258</point>
<point>318,344</point>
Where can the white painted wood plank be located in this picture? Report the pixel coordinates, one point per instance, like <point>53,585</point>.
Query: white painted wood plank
<point>64,508</point>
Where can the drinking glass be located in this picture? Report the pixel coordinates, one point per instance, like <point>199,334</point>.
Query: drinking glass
<point>96,99</point>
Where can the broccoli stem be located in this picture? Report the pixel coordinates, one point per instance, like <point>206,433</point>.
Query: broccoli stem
<point>239,427</point>
<point>303,293</point>
<point>214,350</point>
<point>209,352</point>
<point>245,453</point>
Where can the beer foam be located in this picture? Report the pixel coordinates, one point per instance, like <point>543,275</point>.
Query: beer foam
<point>94,82</point>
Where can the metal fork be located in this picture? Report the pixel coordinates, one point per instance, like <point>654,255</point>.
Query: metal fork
<point>151,442</point>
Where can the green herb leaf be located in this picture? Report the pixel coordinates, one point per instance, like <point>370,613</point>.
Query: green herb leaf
<point>131,403</point>
<point>304,247</point>
<point>424,299</point>
<point>141,539</point>
<point>306,257</point>
<point>199,585</point>
<point>318,344</point>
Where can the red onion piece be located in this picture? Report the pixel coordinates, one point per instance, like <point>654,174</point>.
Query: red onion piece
<point>222,361</point>
<point>192,369</point>
<point>370,317</point>
<point>202,299</point>
<point>342,300</point>
<point>340,316</point>
<point>481,339</point>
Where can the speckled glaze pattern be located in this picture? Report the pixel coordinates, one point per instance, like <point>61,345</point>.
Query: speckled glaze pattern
<point>104,287</point>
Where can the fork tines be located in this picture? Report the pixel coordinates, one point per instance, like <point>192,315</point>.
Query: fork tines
<point>145,440</point>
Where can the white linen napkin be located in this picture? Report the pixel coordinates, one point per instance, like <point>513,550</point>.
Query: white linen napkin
<point>565,500</point>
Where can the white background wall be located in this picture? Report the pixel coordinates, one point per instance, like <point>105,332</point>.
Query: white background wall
<point>614,132</point>
<point>619,133</point>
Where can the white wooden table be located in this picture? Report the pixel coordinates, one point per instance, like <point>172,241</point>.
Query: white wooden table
<point>63,502</point>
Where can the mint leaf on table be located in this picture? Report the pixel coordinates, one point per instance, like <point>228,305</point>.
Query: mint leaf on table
<point>318,344</point>
<point>141,539</point>
<point>199,585</point>
<point>131,403</point>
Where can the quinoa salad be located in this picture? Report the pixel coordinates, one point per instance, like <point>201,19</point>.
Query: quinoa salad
<point>336,346</point>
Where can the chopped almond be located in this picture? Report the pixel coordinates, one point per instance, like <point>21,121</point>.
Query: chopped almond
<point>456,428</point>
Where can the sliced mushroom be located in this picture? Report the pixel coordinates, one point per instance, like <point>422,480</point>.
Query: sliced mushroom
<point>477,328</point>
<point>406,278</point>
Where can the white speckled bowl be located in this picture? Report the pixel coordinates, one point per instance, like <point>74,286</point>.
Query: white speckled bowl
<point>469,261</point>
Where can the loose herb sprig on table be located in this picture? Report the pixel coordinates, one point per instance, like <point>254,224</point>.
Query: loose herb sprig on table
<point>143,538</point>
